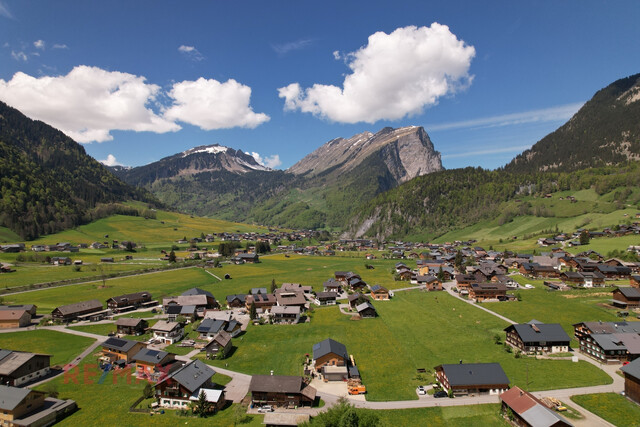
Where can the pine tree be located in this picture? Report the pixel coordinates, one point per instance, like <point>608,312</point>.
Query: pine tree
<point>172,256</point>
<point>252,311</point>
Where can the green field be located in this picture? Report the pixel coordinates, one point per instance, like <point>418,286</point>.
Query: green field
<point>414,330</point>
<point>458,416</point>
<point>107,328</point>
<point>63,347</point>
<point>612,407</point>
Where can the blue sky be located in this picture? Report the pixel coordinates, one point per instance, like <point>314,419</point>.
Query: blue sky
<point>138,81</point>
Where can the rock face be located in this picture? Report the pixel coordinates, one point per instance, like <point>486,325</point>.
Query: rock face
<point>407,152</point>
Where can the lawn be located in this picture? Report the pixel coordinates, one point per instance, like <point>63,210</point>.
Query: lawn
<point>159,284</point>
<point>457,416</point>
<point>415,330</point>
<point>612,407</point>
<point>63,347</point>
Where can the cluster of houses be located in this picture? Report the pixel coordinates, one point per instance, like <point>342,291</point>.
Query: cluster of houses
<point>16,316</point>
<point>93,310</point>
<point>573,239</point>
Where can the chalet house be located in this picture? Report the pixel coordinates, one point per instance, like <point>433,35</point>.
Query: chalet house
<point>632,380</point>
<point>70,312</point>
<point>625,297</point>
<point>236,300</point>
<point>406,274</point>
<point>537,270</point>
<point>488,291</point>
<point>281,391</point>
<point>29,308</point>
<point>285,314</point>
<point>209,328</point>
<point>262,291</point>
<point>173,311</point>
<point>290,299</point>
<point>341,276</point>
<point>18,367</point>
<point>167,332</point>
<point>472,378</point>
<point>153,365</point>
<point>379,292</point>
<point>296,287</point>
<point>326,298</point>
<point>593,279</point>
<point>634,281</point>
<point>14,319</point>
<point>128,301</point>
<point>332,285</point>
<point>609,342</point>
<point>356,283</point>
<point>328,355</point>
<point>131,326</point>
<point>573,277</point>
<point>505,280</point>
<point>430,282</point>
<point>201,299</point>
<point>528,411</point>
<point>366,310</point>
<point>535,337</point>
<point>26,407</point>
<point>221,343</point>
<point>464,282</point>
<point>115,349</point>
<point>184,384</point>
<point>353,299</point>
<point>261,301</point>
<point>243,258</point>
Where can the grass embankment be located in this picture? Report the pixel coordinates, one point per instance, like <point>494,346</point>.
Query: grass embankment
<point>612,407</point>
<point>63,347</point>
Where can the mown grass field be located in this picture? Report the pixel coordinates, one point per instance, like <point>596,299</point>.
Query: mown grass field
<point>414,330</point>
<point>459,416</point>
<point>616,409</point>
<point>63,347</point>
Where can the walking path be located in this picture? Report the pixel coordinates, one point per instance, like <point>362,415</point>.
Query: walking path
<point>448,286</point>
<point>410,288</point>
<point>219,279</point>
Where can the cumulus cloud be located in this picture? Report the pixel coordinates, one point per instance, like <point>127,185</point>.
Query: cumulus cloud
<point>60,46</point>
<point>210,104</point>
<point>272,161</point>
<point>87,103</point>
<point>110,161</point>
<point>191,52</point>
<point>393,76</point>
<point>284,48</point>
<point>19,56</point>
<point>39,44</point>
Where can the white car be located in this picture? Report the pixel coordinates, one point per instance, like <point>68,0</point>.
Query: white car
<point>528,286</point>
<point>422,390</point>
<point>265,408</point>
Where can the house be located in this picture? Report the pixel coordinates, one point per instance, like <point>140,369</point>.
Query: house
<point>285,314</point>
<point>261,301</point>
<point>167,332</point>
<point>177,388</point>
<point>609,342</point>
<point>625,297</point>
<point>332,285</point>
<point>115,349</point>
<point>26,407</point>
<point>60,260</point>
<point>173,311</point>
<point>326,298</point>
<point>366,310</point>
<point>70,312</point>
<point>593,279</point>
<point>30,308</point>
<point>329,353</point>
<point>536,337</point>
<point>242,258</point>
<point>634,280</point>
<point>285,298</point>
<point>220,344</point>
<point>18,367</point>
<point>430,282</point>
<point>488,291</point>
<point>631,373</point>
<point>131,301</point>
<point>281,391</point>
<point>197,297</point>
<point>573,277</point>
<point>529,411</point>
<point>236,300</point>
<point>296,287</point>
<point>14,319</point>
<point>209,328</point>
<point>355,299</point>
<point>153,365</point>
<point>472,378</point>
<point>379,292</point>
<point>131,326</point>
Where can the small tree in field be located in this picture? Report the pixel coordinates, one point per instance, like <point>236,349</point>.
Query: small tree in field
<point>172,256</point>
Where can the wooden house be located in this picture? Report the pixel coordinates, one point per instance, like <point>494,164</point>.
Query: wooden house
<point>631,373</point>
<point>528,411</point>
<point>131,326</point>
<point>329,353</point>
<point>128,301</point>
<point>356,299</point>
<point>487,291</point>
<point>285,314</point>
<point>535,337</point>
<point>26,407</point>
<point>609,342</point>
<point>379,292</point>
<point>332,285</point>
<point>153,365</point>
<point>626,297</point>
<point>18,368</point>
<point>167,332</point>
<point>472,378</point>
<point>183,386</point>
<point>115,349</point>
<point>261,301</point>
<point>236,300</point>
<point>281,391</point>
<point>14,319</point>
<point>366,310</point>
<point>67,313</point>
<point>326,298</point>
<point>220,344</point>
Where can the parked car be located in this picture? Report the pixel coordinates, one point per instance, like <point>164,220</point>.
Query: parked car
<point>441,393</point>
<point>422,390</point>
<point>529,286</point>
<point>265,408</point>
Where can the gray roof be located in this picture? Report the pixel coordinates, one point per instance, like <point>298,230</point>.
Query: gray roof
<point>365,305</point>
<point>632,369</point>
<point>150,356</point>
<point>541,416</point>
<point>612,327</point>
<point>276,384</point>
<point>119,344</point>
<point>329,346</point>
<point>209,326</point>
<point>80,306</point>
<point>475,374</point>
<point>197,291</point>
<point>192,375</point>
<point>536,332</point>
<point>326,295</point>
<point>129,321</point>
<point>629,292</point>
<point>376,288</point>
<point>10,397</point>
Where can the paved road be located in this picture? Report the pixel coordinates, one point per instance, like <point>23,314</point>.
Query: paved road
<point>410,288</point>
<point>448,286</point>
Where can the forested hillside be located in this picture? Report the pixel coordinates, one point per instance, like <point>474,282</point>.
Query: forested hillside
<point>47,180</point>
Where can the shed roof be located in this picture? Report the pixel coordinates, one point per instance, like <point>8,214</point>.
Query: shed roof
<point>475,374</point>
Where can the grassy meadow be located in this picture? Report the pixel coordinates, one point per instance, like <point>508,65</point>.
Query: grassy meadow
<point>616,409</point>
<point>63,347</point>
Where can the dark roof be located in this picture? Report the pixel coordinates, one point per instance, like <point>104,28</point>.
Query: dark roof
<point>326,295</point>
<point>150,356</point>
<point>173,309</point>
<point>536,332</point>
<point>376,288</point>
<point>611,327</point>
<point>192,375</point>
<point>365,306</point>
<point>629,292</point>
<point>329,346</point>
<point>79,306</point>
<point>632,369</point>
<point>119,344</point>
<point>129,297</point>
<point>196,291</point>
<point>475,374</point>
<point>239,297</point>
<point>10,397</point>
<point>208,326</point>
<point>276,384</point>
<point>129,321</point>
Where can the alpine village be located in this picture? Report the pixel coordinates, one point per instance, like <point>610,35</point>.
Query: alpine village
<point>366,285</point>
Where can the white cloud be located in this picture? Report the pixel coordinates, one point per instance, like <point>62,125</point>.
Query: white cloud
<point>272,161</point>
<point>191,52</point>
<point>60,46</point>
<point>110,161</point>
<point>39,44</point>
<point>4,11</point>
<point>19,56</point>
<point>393,76</point>
<point>551,114</point>
<point>209,104</point>
<point>336,55</point>
<point>284,48</point>
<point>87,103</point>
